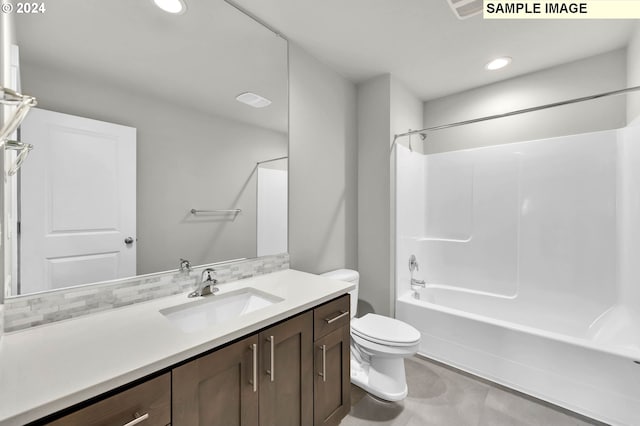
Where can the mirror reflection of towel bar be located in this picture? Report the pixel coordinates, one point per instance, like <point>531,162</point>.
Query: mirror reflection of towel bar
<point>11,97</point>
<point>23,150</point>
<point>23,103</point>
<point>235,211</point>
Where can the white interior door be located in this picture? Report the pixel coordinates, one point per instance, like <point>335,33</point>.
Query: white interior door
<point>78,202</point>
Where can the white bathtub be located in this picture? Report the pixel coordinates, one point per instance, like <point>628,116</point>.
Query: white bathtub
<point>566,351</point>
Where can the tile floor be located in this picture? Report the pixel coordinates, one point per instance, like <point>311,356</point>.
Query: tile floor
<point>442,396</point>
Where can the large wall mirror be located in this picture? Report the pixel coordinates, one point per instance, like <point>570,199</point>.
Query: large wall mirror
<point>142,154</point>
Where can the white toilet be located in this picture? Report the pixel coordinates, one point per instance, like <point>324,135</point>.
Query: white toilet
<point>378,346</point>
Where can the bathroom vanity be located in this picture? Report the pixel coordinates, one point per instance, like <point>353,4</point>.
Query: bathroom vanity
<point>282,363</point>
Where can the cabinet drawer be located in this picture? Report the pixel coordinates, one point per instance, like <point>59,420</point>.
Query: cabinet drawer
<point>151,400</point>
<point>331,316</point>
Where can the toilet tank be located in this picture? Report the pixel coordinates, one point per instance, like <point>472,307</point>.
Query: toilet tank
<point>351,276</point>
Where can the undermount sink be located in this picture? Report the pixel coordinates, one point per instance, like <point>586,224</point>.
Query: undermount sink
<point>217,309</point>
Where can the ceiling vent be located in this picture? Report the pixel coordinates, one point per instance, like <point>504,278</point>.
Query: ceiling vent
<point>465,8</point>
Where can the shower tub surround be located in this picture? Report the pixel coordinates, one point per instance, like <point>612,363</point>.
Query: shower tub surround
<point>44,308</point>
<point>528,252</point>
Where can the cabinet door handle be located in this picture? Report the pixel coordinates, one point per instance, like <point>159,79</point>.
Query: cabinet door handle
<point>324,363</point>
<point>272,370</point>
<point>138,419</point>
<point>337,317</point>
<point>254,378</point>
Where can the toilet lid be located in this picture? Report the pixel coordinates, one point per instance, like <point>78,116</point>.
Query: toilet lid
<point>381,329</point>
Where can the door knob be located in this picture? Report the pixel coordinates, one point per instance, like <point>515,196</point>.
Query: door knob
<point>128,240</point>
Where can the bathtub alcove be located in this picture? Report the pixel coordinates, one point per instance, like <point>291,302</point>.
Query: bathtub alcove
<point>530,255</point>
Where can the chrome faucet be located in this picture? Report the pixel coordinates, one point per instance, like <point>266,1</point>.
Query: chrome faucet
<point>207,284</point>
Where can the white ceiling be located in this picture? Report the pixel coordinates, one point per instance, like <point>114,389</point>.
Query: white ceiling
<point>425,46</point>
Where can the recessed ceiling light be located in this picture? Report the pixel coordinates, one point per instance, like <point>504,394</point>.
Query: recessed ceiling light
<point>253,100</point>
<point>498,63</point>
<point>171,6</point>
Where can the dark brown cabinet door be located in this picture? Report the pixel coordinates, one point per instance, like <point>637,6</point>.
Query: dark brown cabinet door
<point>286,373</point>
<point>218,388</point>
<point>332,386</point>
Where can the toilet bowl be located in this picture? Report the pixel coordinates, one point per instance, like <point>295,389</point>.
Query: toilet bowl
<point>379,345</point>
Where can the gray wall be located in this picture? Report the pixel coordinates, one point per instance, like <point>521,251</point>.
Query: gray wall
<point>385,107</point>
<point>322,166</point>
<point>186,159</point>
<point>581,78</point>
<point>374,198</point>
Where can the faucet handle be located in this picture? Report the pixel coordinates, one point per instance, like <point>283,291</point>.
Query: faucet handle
<point>413,263</point>
<point>208,277</point>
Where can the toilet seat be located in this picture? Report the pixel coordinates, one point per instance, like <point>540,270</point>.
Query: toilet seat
<point>381,350</point>
<point>384,331</point>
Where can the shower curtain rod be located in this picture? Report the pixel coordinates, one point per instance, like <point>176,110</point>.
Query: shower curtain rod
<point>422,132</point>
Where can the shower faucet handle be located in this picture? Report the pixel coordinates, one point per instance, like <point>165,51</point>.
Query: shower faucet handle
<point>413,263</point>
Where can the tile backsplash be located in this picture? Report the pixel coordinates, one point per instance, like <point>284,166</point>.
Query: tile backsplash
<point>43,308</point>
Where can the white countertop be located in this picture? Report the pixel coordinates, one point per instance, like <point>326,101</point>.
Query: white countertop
<point>45,369</point>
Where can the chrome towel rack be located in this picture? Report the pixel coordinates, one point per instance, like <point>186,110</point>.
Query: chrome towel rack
<point>11,97</point>
<point>234,211</point>
<point>23,151</point>
<point>23,104</point>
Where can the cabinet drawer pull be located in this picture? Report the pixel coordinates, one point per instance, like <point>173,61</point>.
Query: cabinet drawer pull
<point>337,317</point>
<point>138,419</point>
<point>324,363</point>
<point>254,375</point>
<point>272,370</point>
